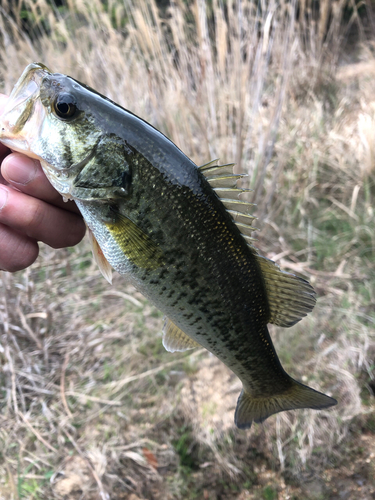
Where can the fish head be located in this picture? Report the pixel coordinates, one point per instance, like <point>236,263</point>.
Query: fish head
<point>49,116</point>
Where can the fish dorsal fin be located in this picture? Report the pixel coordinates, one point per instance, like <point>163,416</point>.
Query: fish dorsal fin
<point>104,266</point>
<point>230,193</point>
<point>220,176</point>
<point>224,182</point>
<point>240,206</point>
<point>290,298</point>
<point>210,164</point>
<point>174,339</point>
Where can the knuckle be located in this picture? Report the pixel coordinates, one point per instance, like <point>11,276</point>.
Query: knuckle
<point>35,216</point>
<point>78,231</point>
<point>71,232</point>
<point>17,252</point>
<point>21,263</point>
<point>27,253</point>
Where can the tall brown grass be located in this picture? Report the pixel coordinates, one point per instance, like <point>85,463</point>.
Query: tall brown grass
<point>213,79</point>
<point>252,83</point>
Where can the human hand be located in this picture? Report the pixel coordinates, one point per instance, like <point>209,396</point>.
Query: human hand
<point>31,210</point>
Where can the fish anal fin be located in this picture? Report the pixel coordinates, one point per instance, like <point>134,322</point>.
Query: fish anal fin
<point>290,297</point>
<point>256,409</point>
<point>103,264</point>
<point>174,339</point>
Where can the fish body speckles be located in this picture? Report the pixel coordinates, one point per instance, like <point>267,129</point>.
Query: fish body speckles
<point>177,231</point>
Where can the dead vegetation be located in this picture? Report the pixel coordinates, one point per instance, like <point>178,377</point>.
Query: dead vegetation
<point>91,405</point>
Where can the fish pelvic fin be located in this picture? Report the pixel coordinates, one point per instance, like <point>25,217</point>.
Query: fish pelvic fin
<point>175,340</point>
<point>256,409</point>
<point>104,266</point>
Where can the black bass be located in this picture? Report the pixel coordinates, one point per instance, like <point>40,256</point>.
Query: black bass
<point>177,231</point>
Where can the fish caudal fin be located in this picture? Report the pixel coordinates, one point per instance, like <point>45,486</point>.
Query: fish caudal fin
<point>256,409</point>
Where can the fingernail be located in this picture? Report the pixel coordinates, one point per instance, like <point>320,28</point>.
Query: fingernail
<point>3,196</point>
<point>20,169</point>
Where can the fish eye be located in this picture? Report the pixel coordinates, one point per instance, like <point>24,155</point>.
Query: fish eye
<point>65,106</point>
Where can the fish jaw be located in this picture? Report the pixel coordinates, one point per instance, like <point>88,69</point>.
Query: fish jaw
<point>24,113</point>
<point>27,125</point>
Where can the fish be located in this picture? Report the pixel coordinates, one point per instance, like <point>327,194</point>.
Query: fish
<point>179,232</point>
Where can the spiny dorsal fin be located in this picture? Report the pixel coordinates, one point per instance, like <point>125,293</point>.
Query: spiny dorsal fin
<point>220,176</point>
<point>224,182</point>
<point>210,164</point>
<point>230,193</point>
<point>104,266</point>
<point>174,339</point>
<point>246,229</point>
<point>241,218</point>
<point>249,240</point>
<point>290,298</point>
<point>212,168</point>
<point>238,206</point>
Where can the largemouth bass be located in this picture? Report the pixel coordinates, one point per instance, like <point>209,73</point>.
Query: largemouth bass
<point>179,232</point>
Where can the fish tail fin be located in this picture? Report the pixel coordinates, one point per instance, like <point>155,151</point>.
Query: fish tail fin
<point>257,409</point>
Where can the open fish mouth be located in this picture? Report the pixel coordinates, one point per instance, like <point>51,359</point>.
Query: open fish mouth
<point>23,112</point>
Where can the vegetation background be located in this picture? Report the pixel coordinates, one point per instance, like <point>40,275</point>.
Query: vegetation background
<point>91,406</point>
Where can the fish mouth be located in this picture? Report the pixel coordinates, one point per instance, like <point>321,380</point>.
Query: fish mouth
<point>22,105</point>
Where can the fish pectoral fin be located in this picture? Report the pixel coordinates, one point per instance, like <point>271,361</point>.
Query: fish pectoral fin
<point>174,339</point>
<point>136,245</point>
<point>290,297</point>
<point>256,409</point>
<point>104,266</point>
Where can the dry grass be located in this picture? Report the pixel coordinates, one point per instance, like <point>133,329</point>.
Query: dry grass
<point>91,404</point>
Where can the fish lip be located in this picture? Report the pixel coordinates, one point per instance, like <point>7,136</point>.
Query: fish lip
<point>16,111</point>
<point>34,71</point>
<point>27,85</point>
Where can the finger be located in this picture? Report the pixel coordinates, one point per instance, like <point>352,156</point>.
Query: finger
<point>3,149</point>
<point>27,175</point>
<point>18,251</point>
<point>3,152</point>
<point>40,220</point>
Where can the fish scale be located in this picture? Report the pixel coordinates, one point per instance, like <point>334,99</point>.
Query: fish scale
<point>178,232</point>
